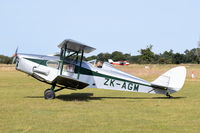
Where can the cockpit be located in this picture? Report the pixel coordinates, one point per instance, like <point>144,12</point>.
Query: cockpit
<point>96,63</point>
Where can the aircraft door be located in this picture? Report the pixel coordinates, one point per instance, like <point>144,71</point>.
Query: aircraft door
<point>53,67</point>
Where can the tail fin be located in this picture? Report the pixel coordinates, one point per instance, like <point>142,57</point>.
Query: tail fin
<point>110,61</point>
<point>173,79</point>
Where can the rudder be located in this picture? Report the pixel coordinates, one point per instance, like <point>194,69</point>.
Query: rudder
<point>173,79</point>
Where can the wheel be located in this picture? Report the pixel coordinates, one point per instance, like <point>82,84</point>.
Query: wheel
<point>46,91</point>
<point>168,95</point>
<point>49,94</point>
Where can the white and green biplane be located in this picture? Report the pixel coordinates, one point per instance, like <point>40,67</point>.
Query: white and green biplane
<point>68,70</point>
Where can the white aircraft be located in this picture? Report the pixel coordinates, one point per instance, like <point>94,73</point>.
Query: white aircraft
<point>118,62</point>
<point>70,71</point>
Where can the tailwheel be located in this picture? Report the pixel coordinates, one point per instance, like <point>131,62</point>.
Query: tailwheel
<point>49,94</point>
<point>168,95</point>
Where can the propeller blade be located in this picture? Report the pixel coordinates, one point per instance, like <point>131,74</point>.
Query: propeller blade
<point>14,59</point>
<point>15,56</point>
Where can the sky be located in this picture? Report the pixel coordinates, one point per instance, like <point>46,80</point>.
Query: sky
<point>38,26</point>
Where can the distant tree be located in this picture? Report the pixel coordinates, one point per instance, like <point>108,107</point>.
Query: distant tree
<point>156,59</point>
<point>192,56</point>
<point>198,55</point>
<point>91,58</point>
<point>166,57</point>
<point>134,59</point>
<point>116,56</point>
<point>5,59</point>
<point>127,56</point>
<point>147,56</point>
<point>103,56</point>
<point>178,58</point>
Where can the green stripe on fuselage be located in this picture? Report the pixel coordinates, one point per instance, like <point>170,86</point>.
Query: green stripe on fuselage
<point>38,61</point>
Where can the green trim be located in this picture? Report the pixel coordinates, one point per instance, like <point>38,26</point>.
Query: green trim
<point>61,67</point>
<point>38,61</point>
<point>62,55</point>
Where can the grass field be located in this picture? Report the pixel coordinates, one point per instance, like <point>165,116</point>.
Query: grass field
<point>24,110</point>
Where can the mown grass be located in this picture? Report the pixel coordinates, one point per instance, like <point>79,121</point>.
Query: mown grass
<point>23,108</point>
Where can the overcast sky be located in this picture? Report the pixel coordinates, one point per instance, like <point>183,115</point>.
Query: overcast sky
<point>38,26</point>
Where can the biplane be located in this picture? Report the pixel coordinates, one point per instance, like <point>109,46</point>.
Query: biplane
<point>69,71</point>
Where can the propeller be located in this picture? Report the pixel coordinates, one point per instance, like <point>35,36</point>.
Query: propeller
<point>15,56</point>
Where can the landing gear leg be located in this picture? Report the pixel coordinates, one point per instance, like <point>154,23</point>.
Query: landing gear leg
<point>49,93</point>
<point>168,95</point>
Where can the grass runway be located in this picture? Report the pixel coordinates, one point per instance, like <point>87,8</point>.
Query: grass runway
<point>24,110</point>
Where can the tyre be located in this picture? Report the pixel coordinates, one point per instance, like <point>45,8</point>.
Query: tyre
<point>49,94</point>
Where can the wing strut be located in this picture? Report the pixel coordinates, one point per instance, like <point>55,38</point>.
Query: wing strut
<point>62,56</point>
<point>80,64</point>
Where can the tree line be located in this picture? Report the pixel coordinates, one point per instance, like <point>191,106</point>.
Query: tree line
<point>146,56</point>
<point>5,59</point>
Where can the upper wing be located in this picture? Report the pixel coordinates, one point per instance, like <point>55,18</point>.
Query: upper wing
<point>69,82</point>
<point>75,46</point>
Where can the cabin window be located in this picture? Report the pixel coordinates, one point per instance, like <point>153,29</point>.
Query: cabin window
<point>53,64</point>
<point>92,62</point>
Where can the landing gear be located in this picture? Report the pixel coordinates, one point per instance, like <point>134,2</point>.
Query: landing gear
<point>168,95</point>
<point>49,94</point>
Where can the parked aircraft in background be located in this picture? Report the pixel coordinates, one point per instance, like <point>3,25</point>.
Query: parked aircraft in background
<point>118,62</point>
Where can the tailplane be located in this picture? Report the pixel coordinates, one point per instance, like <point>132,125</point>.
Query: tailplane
<point>110,61</point>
